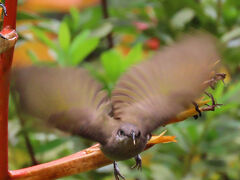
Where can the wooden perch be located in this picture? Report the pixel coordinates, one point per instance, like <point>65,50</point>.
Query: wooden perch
<point>87,159</point>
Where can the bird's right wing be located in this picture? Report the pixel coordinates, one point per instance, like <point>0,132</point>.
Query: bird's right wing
<point>153,92</point>
<point>66,98</point>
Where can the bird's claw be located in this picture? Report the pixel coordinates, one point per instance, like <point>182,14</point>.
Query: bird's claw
<point>117,173</point>
<point>4,9</point>
<point>138,164</point>
<point>214,104</point>
<point>197,109</point>
<point>5,14</point>
<point>217,77</point>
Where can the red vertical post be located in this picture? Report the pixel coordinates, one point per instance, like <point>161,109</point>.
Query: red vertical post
<point>5,65</point>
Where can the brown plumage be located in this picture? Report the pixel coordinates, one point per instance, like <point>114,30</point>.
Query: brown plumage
<point>155,90</point>
<point>145,97</point>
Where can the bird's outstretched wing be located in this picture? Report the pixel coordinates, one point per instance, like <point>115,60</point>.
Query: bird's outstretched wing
<point>67,98</point>
<point>153,92</point>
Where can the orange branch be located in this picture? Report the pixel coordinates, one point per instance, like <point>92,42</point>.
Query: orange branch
<point>85,160</point>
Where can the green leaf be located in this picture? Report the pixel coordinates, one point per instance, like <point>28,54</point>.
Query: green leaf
<point>218,91</point>
<point>42,37</point>
<point>102,31</point>
<point>112,62</point>
<point>49,145</point>
<point>81,47</point>
<point>78,40</point>
<point>235,88</point>
<point>64,36</point>
<point>33,56</point>
<point>177,130</point>
<point>182,17</point>
<point>27,16</point>
<point>192,132</point>
<point>134,56</point>
<point>75,18</point>
<point>234,33</point>
<point>62,58</point>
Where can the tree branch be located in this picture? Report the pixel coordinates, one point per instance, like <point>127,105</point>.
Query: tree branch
<point>5,65</point>
<point>87,159</point>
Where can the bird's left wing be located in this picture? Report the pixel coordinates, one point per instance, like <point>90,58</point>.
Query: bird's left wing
<point>66,98</point>
<point>154,91</point>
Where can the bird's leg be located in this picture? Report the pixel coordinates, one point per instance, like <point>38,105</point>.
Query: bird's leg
<point>117,173</point>
<point>217,77</point>
<point>197,109</point>
<point>5,14</point>
<point>138,164</point>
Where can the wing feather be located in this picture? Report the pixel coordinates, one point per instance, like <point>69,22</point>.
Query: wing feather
<point>154,91</point>
<point>66,98</point>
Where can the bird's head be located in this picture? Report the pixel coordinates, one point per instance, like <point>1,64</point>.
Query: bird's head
<point>126,141</point>
<point>128,133</point>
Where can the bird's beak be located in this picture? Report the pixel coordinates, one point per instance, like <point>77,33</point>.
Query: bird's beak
<point>133,138</point>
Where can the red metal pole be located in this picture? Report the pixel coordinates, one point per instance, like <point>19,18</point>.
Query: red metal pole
<point>5,65</point>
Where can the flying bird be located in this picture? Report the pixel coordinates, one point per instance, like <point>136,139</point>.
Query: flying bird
<point>146,96</point>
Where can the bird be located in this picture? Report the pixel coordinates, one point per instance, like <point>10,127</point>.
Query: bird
<point>145,97</point>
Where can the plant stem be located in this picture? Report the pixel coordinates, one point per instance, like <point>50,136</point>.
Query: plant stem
<point>24,132</point>
<point>106,16</point>
<point>29,148</point>
<point>219,11</point>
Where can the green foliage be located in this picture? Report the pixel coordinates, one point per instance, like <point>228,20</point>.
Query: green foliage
<point>82,46</point>
<point>72,47</point>
<point>207,148</point>
<point>64,36</point>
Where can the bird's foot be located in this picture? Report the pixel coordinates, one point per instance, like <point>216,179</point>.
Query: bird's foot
<point>197,109</point>
<point>117,173</point>
<point>214,104</point>
<point>138,164</point>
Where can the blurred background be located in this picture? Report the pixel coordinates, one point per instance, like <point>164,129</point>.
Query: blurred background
<point>80,32</point>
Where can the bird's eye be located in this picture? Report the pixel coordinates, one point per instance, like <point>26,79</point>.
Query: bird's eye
<point>120,132</point>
